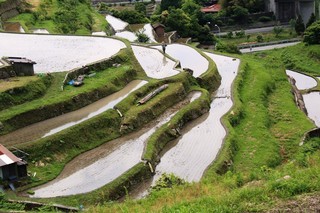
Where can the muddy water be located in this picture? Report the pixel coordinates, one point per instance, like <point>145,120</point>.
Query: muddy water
<point>13,27</point>
<point>188,57</point>
<point>154,63</point>
<point>115,159</point>
<point>312,103</point>
<point>116,24</point>
<point>40,31</point>
<point>54,53</point>
<point>59,123</point>
<point>302,81</point>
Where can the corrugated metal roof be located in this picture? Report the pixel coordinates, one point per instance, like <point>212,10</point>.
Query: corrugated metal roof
<point>6,157</point>
<point>20,60</point>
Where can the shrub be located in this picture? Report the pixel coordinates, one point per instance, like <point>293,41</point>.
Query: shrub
<point>259,38</point>
<point>264,19</point>
<point>312,34</point>
<point>240,34</point>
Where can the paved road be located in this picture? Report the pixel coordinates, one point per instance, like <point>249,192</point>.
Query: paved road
<point>269,47</point>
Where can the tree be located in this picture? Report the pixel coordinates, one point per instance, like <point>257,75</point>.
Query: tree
<point>142,37</point>
<point>299,26</point>
<point>311,20</point>
<point>140,7</point>
<point>166,4</point>
<point>312,34</point>
<point>178,20</point>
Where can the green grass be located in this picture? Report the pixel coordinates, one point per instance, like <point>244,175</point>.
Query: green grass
<point>88,20</point>
<point>16,82</point>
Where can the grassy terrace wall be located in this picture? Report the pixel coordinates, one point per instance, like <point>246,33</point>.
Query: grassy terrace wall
<point>56,150</point>
<point>23,116</point>
<point>29,92</point>
<point>171,129</point>
<point>265,126</point>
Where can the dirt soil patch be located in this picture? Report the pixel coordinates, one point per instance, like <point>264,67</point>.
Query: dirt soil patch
<point>303,203</point>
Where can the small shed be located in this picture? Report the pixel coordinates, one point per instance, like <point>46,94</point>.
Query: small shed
<point>159,30</point>
<point>21,66</point>
<point>11,167</point>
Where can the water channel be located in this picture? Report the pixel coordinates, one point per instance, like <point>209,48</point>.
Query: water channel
<point>59,123</point>
<point>116,157</point>
<point>54,53</point>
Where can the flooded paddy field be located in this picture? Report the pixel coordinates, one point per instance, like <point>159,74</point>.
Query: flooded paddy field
<point>311,100</point>
<point>188,57</point>
<point>54,53</point>
<point>59,123</point>
<point>116,24</point>
<point>189,156</point>
<point>302,81</point>
<point>107,162</point>
<point>312,103</point>
<point>155,64</point>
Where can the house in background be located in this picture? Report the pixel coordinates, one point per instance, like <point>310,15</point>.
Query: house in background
<point>11,167</point>
<point>285,10</point>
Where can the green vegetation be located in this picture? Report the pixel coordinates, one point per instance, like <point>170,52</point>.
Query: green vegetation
<point>24,90</point>
<point>72,98</point>
<point>312,34</point>
<point>67,17</point>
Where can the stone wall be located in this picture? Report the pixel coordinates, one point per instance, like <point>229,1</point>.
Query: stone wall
<point>9,9</point>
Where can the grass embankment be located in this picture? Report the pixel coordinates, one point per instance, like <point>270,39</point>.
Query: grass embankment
<point>265,163</point>
<point>55,151</point>
<point>56,102</point>
<point>67,17</point>
<point>22,89</point>
<point>301,58</point>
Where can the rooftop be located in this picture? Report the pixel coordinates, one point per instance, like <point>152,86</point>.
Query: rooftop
<point>6,157</point>
<point>211,9</point>
<point>19,60</point>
